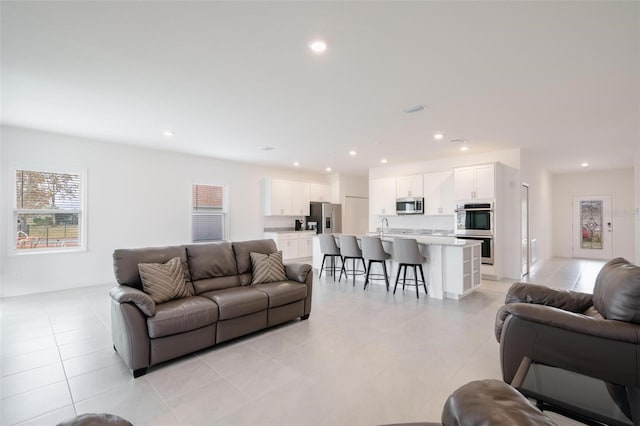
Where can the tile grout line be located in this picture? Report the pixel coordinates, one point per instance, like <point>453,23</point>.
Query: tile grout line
<point>64,370</point>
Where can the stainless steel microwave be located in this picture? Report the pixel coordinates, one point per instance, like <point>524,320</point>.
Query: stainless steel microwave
<point>413,205</point>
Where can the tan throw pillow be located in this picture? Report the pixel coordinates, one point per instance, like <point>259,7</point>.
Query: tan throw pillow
<point>164,281</point>
<point>267,268</point>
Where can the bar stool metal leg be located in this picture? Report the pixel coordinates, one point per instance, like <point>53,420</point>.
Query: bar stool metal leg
<point>322,266</point>
<point>424,283</point>
<point>386,276</point>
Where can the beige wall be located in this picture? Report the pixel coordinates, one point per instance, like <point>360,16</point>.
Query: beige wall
<point>637,202</point>
<point>136,197</point>
<point>618,183</point>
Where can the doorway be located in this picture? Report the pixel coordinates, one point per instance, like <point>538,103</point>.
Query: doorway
<point>355,220</point>
<point>524,231</point>
<point>592,227</point>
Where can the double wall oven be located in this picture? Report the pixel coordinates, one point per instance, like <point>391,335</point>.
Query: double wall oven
<point>474,221</point>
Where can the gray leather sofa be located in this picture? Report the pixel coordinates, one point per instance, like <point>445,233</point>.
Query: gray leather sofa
<point>225,304</point>
<point>595,335</point>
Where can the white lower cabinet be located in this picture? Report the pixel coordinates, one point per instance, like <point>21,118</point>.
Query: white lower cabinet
<point>305,248</point>
<point>462,280</point>
<point>294,244</point>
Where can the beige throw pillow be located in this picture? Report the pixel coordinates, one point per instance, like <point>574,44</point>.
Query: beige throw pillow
<point>267,268</point>
<point>164,281</point>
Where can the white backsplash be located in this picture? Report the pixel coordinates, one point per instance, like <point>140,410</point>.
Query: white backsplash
<point>281,221</point>
<point>419,222</point>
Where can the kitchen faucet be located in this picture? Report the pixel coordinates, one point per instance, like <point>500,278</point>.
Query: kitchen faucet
<point>384,220</point>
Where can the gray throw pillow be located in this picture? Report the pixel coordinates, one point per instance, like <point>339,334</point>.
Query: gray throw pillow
<point>267,268</point>
<point>164,281</point>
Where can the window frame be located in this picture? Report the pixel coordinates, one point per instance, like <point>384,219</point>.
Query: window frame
<point>15,211</point>
<point>224,212</point>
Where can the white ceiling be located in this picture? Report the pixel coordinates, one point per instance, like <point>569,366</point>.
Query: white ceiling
<point>558,78</point>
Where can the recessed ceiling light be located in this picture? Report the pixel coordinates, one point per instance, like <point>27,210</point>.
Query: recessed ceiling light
<point>412,109</point>
<point>168,133</point>
<point>464,148</point>
<point>318,46</point>
<point>438,136</point>
<point>383,161</point>
<point>585,164</point>
<point>352,153</point>
<point>328,169</point>
<point>295,163</point>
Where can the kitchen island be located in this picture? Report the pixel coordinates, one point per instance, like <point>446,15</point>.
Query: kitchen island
<point>452,268</point>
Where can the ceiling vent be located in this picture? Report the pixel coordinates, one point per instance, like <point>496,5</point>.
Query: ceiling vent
<point>412,109</point>
<point>267,148</point>
<point>457,141</point>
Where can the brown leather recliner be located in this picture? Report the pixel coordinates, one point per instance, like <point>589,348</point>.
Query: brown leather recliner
<point>595,335</point>
<point>225,304</point>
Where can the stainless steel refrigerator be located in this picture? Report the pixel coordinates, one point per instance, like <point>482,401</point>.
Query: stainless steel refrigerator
<point>328,216</point>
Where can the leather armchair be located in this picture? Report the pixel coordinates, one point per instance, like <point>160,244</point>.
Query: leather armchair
<point>595,335</point>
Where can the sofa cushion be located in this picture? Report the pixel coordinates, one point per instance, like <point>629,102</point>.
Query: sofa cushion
<point>125,262</point>
<point>616,294</point>
<point>283,293</point>
<point>164,281</point>
<point>242,252</point>
<point>212,266</point>
<point>267,268</point>
<point>238,301</point>
<point>181,315</point>
<point>211,260</point>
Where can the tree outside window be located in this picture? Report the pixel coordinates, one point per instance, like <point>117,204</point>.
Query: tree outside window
<point>48,210</point>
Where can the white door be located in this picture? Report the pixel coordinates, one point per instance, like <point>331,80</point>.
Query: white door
<point>592,227</point>
<point>356,216</point>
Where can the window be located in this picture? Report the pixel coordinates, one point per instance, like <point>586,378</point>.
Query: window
<point>48,211</point>
<point>207,213</point>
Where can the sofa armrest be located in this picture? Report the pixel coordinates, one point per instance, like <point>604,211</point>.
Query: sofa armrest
<point>571,301</point>
<point>126,294</point>
<point>297,271</point>
<point>577,323</point>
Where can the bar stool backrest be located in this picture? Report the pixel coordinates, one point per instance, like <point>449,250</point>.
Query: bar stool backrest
<point>405,250</point>
<point>349,246</point>
<point>328,245</point>
<point>372,249</point>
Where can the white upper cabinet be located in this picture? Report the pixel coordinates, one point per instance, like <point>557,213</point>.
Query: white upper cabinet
<point>409,186</point>
<point>382,196</point>
<point>485,181</point>
<point>319,192</point>
<point>285,198</point>
<point>277,197</point>
<point>300,198</point>
<point>438,193</point>
<point>474,182</point>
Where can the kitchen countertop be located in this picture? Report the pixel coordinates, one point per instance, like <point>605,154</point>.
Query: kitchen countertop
<point>290,232</point>
<point>441,240</point>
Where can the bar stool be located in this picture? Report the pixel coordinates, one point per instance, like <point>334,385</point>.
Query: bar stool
<point>329,249</point>
<point>350,250</point>
<point>407,253</point>
<point>373,252</point>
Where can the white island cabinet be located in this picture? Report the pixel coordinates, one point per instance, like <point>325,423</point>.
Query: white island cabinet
<point>452,269</point>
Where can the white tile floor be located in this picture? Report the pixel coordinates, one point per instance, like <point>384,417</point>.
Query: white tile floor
<point>362,358</point>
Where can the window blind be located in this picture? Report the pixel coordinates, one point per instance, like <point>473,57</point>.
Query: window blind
<point>47,213</point>
<point>207,216</point>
